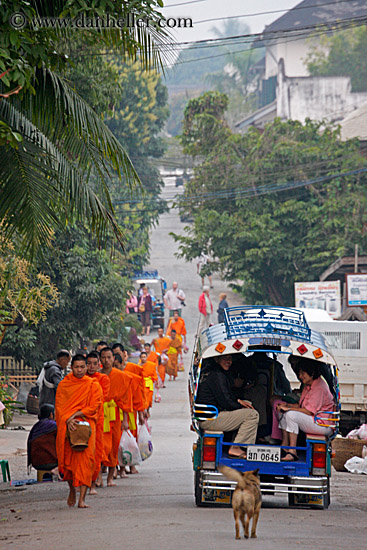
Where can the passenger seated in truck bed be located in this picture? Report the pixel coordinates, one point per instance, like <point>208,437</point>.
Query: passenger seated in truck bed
<point>315,398</point>
<point>247,384</point>
<point>233,414</point>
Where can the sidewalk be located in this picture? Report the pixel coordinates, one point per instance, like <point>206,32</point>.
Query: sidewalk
<point>13,446</point>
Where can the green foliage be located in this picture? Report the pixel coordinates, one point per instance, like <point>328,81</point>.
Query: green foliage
<point>342,54</point>
<point>92,296</point>
<point>137,121</point>
<point>11,405</point>
<point>67,155</point>
<point>268,240</point>
<point>203,122</point>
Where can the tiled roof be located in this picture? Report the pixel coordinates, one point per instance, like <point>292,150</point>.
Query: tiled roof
<point>313,12</point>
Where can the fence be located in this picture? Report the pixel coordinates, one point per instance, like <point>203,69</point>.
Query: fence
<point>17,371</point>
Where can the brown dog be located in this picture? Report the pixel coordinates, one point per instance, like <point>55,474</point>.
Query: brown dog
<point>246,499</point>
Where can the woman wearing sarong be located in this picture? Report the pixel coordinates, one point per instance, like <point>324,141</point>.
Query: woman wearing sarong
<point>175,348</point>
<point>41,444</point>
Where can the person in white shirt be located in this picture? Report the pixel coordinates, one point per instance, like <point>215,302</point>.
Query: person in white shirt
<point>174,299</point>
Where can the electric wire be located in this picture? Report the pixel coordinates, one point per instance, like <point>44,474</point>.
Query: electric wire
<point>288,10</point>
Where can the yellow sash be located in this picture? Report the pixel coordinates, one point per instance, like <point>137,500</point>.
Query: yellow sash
<point>172,350</point>
<point>109,411</point>
<point>132,423</point>
<point>149,383</point>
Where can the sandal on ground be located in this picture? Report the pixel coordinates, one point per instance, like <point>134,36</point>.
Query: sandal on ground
<point>293,455</point>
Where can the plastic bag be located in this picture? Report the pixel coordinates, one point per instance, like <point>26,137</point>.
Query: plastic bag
<point>158,397</point>
<point>164,358</point>
<point>358,433</point>
<point>145,442</point>
<point>356,465</point>
<point>128,453</point>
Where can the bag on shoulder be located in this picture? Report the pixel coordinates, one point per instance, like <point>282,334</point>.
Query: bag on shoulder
<point>79,438</point>
<point>41,380</point>
<point>142,306</point>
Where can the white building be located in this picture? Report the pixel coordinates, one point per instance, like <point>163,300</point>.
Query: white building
<point>285,88</point>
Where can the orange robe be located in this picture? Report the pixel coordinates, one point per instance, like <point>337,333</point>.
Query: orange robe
<point>179,326</point>
<point>77,394</point>
<point>161,344</point>
<point>173,352</point>
<point>119,397</point>
<point>140,402</point>
<point>150,376</point>
<point>100,456</point>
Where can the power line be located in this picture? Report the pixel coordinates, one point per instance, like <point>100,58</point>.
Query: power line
<point>190,2</point>
<point>251,192</point>
<point>272,11</point>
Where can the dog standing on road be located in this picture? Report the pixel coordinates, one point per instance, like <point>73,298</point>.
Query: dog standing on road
<point>246,499</point>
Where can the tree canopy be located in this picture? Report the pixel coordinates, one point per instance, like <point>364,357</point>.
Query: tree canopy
<point>56,154</point>
<point>342,54</point>
<point>253,212</point>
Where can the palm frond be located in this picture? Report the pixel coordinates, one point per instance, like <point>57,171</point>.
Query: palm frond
<point>42,186</point>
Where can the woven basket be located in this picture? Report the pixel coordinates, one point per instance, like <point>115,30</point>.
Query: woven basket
<point>344,449</point>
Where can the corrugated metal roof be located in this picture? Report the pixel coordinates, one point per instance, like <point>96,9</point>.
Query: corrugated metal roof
<point>313,12</point>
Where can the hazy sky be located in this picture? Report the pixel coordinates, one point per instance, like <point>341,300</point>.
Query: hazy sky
<point>207,9</point>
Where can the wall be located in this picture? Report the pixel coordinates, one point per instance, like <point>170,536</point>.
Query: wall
<point>293,52</point>
<point>316,98</point>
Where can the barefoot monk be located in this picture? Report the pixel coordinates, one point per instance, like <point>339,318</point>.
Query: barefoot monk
<point>93,365</point>
<point>120,397</point>
<point>78,397</point>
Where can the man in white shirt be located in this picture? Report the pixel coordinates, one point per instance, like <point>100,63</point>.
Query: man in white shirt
<point>173,299</point>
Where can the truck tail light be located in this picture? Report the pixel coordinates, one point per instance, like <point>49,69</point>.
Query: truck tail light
<point>319,458</point>
<point>209,452</point>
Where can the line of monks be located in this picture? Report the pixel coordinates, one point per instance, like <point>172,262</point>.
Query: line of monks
<point>111,400</point>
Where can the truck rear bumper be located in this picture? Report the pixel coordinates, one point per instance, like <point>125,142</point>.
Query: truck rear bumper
<point>210,480</point>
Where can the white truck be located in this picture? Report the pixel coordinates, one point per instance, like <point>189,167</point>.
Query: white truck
<point>347,341</point>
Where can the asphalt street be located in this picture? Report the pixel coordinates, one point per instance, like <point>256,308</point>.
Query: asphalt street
<point>155,509</point>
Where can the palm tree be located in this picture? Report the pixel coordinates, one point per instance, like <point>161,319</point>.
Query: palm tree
<point>56,165</point>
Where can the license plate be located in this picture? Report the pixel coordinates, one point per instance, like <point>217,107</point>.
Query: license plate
<point>216,496</point>
<point>263,454</point>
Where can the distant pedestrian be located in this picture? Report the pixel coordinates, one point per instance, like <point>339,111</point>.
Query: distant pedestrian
<point>50,377</point>
<point>145,309</point>
<point>174,299</point>
<point>223,304</point>
<point>204,270</point>
<point>131,303</point>
<point>205,309</point>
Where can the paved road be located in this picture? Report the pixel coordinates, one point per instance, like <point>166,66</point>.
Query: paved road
<point>155,509</point>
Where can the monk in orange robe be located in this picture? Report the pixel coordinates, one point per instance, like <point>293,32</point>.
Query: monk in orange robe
<point>152,356</point>
<point>119,397</point>
<point>93,365</point>
<point>178,324</point>
<point>150,376</point>
<point>78,397</point>
<point>161,345</point>
<point>174,350</point>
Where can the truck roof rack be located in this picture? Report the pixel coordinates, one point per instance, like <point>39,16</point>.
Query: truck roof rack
<point>243,320</point>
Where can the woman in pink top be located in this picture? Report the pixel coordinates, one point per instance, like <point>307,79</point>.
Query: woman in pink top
<point>315,397</point>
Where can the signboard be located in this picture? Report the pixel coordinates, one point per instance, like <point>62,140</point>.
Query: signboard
<point>356,289</point>
<point>320,295</point>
